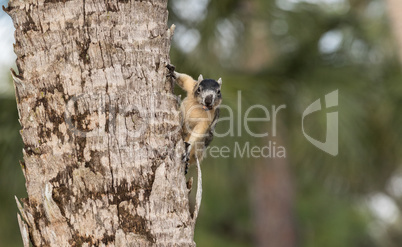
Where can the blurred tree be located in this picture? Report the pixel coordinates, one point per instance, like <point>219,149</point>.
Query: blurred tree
<point>304,50</point>
<point>394,9</point>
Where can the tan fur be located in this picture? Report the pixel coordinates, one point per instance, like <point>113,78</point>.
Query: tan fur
<point>196,120</point>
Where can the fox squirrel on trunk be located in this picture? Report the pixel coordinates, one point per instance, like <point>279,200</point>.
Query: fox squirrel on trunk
<point>200,111</point>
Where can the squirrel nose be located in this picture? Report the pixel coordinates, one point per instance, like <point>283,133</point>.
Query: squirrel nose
<point>208,100</point>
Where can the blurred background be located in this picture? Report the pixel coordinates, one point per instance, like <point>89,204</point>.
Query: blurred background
<point>273,53</point>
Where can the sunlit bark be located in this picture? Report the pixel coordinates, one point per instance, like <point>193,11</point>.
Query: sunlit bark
<point>100,127</point>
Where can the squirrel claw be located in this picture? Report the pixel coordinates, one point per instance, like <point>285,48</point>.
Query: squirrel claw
<point>186,156</point>
<point>185,160</point>
<point>171,71</point>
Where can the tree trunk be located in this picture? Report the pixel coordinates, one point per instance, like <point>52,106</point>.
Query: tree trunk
<point>102,155</point>
<point>272,187</point>
<point>395,17</point>
<point>273,203</point>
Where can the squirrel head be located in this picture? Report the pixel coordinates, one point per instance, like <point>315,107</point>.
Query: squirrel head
<point>208,93</point>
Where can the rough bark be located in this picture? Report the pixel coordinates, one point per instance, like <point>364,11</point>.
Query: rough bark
<point>100,126</point>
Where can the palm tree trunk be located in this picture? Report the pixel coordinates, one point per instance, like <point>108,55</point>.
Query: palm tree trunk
<point>394,9</point>
<point>273,202</point>
<point>100,127</point>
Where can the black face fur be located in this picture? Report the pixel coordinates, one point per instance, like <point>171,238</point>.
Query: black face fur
<point>208,94</point>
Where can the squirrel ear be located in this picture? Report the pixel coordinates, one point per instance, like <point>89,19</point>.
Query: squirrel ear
<point>200,78</point>
<point>220,81</point>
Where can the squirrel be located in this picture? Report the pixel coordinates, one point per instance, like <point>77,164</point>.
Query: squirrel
<point>200,110</point>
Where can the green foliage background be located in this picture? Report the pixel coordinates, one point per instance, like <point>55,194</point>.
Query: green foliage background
<point>272,51</point>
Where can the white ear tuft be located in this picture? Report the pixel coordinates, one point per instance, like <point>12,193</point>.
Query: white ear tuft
<point>200,78</point>
<point>220,81</point>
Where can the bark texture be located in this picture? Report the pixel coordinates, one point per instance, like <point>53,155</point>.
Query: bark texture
<point>100,125</point>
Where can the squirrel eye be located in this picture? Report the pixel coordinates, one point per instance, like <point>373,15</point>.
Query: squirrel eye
<point>219,91</point>
<point>198,89</point>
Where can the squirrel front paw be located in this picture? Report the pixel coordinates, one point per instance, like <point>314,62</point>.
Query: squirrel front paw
<point>171,71</point>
